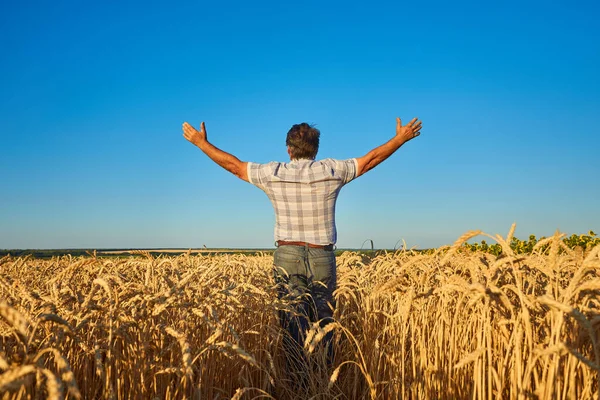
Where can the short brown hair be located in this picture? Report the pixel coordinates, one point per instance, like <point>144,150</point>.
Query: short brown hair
<point>303,140</point>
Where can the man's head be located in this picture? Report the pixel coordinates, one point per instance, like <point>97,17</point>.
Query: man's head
<point>303,141</point>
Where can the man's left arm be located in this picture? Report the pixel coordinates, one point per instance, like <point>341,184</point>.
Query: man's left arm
<point>228,161</point>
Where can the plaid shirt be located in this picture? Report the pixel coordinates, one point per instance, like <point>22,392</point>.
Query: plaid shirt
<point>303,194</point>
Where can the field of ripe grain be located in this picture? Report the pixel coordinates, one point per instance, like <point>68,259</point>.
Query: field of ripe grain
<point>448,325</point>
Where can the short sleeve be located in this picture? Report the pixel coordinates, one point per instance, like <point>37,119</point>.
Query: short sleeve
<point>260,174</point>
<point>346,169</point>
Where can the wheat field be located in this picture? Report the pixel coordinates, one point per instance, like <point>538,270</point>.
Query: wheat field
<point>448,324</point>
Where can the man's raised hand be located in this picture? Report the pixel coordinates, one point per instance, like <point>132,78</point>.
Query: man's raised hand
<point>408,131</point>
<point>194,136</point>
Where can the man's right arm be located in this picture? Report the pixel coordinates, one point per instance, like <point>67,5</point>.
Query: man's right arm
<point>381,153</point>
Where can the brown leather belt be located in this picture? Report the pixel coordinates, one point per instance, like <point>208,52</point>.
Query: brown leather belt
<point>314,246</point>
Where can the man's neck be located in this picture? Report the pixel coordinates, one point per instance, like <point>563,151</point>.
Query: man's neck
<point>301,159</point>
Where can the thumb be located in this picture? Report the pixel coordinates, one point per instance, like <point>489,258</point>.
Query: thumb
<point>202,127</point>
<point>398,121</point>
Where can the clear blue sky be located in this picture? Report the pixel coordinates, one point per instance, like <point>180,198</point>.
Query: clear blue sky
<point>93,95</point>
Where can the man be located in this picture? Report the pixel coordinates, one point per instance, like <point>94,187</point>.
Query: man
<point>303,193</point>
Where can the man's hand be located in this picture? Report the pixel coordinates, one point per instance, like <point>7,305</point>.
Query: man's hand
<point>194,136</point>
<point>230,162</point>
<point>408,131</point>
<point>381,153</point>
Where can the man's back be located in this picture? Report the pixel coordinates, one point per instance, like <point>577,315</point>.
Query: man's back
<point>303,193</point>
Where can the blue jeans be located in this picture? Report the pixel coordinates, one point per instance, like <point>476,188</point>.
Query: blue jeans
<point>307,278</point>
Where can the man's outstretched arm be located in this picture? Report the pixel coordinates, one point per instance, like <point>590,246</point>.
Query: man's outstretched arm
<point>228,161</point>
<point>378,154</point>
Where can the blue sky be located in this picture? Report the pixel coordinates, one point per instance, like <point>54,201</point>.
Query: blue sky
<point>94,95</point>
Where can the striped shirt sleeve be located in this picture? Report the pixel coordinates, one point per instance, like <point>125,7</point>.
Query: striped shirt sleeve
<point>259,174</point>
<point>346,169</point>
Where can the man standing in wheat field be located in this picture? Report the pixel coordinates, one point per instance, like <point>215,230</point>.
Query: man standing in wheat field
<point>303,192</point>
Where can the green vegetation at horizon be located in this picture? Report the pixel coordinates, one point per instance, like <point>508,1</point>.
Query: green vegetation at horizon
<point>584,241</point>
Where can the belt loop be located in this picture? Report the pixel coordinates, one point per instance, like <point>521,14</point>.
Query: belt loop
<point>277,243</point>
